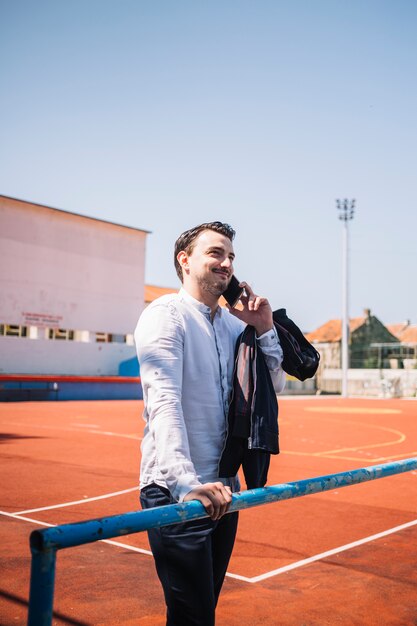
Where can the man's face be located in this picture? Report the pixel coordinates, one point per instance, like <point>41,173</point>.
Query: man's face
<point>209,267</point>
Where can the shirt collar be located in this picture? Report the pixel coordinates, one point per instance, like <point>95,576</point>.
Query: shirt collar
<point>184,295</point>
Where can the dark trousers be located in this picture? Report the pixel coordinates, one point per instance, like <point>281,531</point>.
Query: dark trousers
<point>191,560</point>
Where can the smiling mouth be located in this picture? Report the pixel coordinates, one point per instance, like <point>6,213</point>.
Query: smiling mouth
<point>223,273</point>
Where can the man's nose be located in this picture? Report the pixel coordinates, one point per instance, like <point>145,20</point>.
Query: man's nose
<point>227,263</point>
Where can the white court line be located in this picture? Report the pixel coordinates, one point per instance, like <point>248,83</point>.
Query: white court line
<point>59,506</point>
<point>109,541</point>
<point>110,434</point>
<point>118,544</point>
<point>261,577</point>
<point>26,519</point>
<point>379,459</point>
<point>127,547</point>
<point>324,555</point>
<point>76,430</point>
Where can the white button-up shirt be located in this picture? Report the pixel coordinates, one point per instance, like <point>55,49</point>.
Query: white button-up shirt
<point>186,368</point>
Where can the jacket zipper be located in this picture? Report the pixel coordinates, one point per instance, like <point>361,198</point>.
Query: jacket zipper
<point>250,438</point>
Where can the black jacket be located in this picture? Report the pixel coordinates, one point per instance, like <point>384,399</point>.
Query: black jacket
<point>301,359</point>
<point>253,415</point>
<point>253,434</point>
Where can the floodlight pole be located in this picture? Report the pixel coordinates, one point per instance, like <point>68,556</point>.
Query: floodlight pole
<point>346,210</point>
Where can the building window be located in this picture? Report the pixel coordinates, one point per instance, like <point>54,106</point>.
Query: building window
<point>61,333</point>
<point>118,338</point>
<point>13,330</point>
<point>104,337</point>
<point>32,332</point>
<point>84,336</point>
<point>130,341</point>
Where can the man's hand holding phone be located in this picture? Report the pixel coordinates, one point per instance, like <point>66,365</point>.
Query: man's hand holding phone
<point>233,292</point>
<point>256,310</point>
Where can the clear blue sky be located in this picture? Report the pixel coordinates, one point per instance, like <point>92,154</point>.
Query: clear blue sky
<point>166,113</point>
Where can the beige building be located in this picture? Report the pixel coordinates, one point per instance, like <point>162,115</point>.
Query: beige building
<point>71,290</point>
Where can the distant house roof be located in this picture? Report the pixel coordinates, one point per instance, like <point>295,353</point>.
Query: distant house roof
<point>152,292</point>
<point>331,331</point>
<point>405,332</point>
<point>410,334</point>
<point>398,329</point>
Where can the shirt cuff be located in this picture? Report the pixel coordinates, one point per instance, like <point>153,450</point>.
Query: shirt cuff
<point>268,339</point>
<point>184,485</point>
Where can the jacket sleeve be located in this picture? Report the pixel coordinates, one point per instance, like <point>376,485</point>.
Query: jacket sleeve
<point>159,338</point>
<point>272,351</point>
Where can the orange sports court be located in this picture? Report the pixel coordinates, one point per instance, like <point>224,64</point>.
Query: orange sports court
<point>346,556</point>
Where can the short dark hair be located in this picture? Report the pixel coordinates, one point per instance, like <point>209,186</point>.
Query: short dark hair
<point>186,240</point>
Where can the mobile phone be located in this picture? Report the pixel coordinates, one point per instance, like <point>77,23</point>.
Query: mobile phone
<point>233,292</point>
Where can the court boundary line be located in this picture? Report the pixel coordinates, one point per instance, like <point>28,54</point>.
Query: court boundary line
<point>84,500</point>
<point>119,544</point>
<point>320,455</point>
<point>327,553</point>
<point>80,429</point>
<point>261,577</point>
<point>402,438</point>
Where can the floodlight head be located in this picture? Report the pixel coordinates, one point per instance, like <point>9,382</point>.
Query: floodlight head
<point>346,208</point>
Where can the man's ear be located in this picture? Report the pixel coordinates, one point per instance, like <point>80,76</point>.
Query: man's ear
<point>182,258</point>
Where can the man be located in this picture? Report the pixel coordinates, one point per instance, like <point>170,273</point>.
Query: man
<point>185,344</point>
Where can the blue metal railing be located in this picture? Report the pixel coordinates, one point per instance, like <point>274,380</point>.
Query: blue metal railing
<point>45,543</point>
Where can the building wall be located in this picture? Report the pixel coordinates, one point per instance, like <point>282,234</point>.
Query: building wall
<point>66,358</point>
<point>378,383</point>
<point>64,272</point>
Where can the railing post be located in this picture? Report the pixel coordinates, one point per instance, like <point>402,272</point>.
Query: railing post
<point>42,582</point>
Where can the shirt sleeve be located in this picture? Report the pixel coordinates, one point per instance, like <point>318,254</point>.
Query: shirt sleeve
<point>272,350</point>
<point>159,339</point>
